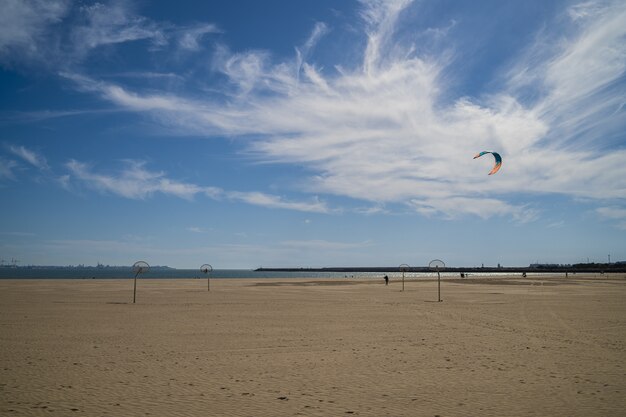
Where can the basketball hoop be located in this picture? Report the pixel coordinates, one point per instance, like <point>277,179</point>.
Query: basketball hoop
<point>207,269</point>
<point>403,268</point>
<point>139,267</point>
<point>437,265</point>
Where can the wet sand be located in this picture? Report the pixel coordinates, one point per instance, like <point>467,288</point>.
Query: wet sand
<point>493,347</point>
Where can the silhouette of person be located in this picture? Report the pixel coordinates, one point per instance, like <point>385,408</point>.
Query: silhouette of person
<point>386,280</point>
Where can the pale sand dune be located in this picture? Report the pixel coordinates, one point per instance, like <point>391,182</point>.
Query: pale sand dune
<point>298,347</point>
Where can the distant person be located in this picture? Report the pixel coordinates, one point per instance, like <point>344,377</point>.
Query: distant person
<point>386,280</point>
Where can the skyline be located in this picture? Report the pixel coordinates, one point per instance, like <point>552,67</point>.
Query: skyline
<point>312,135</point>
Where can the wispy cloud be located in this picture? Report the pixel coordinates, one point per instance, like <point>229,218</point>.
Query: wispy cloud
<point>25,27</point>
<point>581,100</point>
<point>6,168</point>
<point>453,207</point>
<point>135,181</point>
<point>614,213</point>
<point>230,255</point>
<point>62,34</point>
<point>303,52</point>
<point>189,38</point>
<point>380,17</point>
<point>19,234</point>
<point>272,201</point>
<point>39,115</point>
<point>324,244</point>
<point>33,158</point>
<point>112,23</point>
<point>556,225</point>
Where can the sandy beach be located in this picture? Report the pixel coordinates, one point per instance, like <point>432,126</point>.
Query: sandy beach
<point>287,347</point>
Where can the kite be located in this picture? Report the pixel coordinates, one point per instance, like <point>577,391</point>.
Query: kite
<point>498,158</point>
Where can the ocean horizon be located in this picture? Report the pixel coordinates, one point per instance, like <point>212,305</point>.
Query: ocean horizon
<point>173,273</point>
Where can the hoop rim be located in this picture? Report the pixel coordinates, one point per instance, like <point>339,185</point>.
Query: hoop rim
<point>436,264</point>
<point>140,267</point>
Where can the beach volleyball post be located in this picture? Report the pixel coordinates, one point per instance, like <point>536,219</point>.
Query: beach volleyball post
<point>139,267</point>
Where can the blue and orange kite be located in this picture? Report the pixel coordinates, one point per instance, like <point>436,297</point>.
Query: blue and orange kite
<point>498,158</point>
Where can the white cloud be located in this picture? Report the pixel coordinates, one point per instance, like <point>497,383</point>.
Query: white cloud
<point>24,26</point>
<point>189,38</point>
<point>39,115</point>
<point>380,16</point>
<point>583,10</point>
<point>19,234</point>
<point>614,213</point>
<point>324,245</point>
<point>484,208</point>
<point>61,33</point>
<point>303,52</point>
<point>114,23</point>
<point>556,225</point>
<point>148,74</point>
<point>272,201</point>
<point>30,156</point>
<point>581,97</point>
<point>136,182</point>
<point>6,168</point>
<point>64,181</point>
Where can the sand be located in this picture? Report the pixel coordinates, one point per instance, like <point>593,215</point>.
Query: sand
<point>493,347</point>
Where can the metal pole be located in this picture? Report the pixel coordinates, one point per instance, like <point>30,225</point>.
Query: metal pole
<point>135,288</point>
<point>438,286</point>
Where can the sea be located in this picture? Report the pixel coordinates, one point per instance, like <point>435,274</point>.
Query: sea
<point>171,273</point>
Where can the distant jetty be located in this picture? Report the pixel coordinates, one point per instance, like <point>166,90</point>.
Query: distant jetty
<point>534,268</point>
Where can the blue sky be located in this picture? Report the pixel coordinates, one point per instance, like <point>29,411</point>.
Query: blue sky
<point>312,133</point>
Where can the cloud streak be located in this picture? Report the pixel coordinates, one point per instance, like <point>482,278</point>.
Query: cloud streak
<point>189,39</point>
<point>614,213</point>
<point>25,27</point>
<point>136,182</point>
<point>31,157</point>
<point>6,168</point>
<point>60,34</point>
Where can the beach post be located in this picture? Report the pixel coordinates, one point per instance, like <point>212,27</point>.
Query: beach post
<point>403,268</point>
<point>139,267</point>
<point>206,269</point>
<point>436,264</point>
